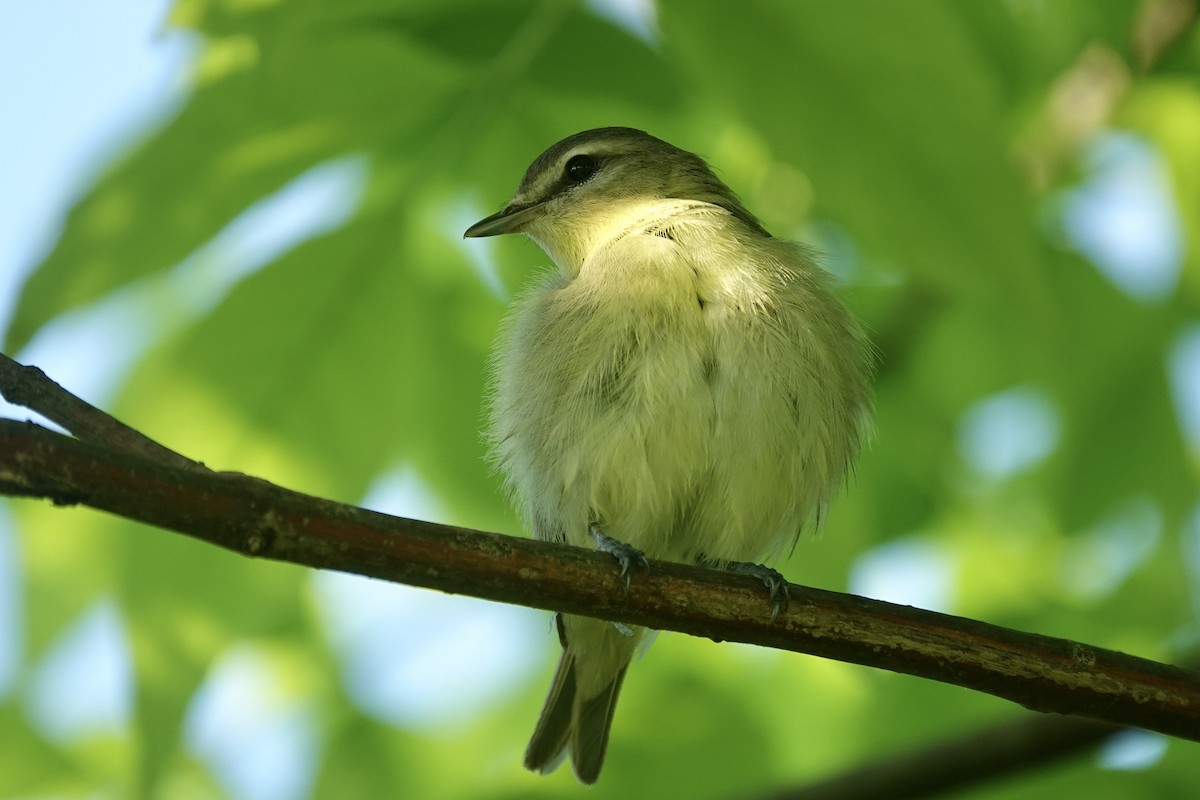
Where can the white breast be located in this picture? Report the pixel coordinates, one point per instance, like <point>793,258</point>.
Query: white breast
<point>677,392</point>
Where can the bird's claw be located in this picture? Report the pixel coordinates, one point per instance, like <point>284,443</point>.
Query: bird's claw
<point>777,586</point>
<point>626,555</point>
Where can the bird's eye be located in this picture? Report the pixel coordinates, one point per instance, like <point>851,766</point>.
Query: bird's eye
<point>580,168</point>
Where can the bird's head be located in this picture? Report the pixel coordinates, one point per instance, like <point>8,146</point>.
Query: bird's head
<point>577,191</point>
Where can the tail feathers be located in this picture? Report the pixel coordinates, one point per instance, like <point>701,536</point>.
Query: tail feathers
<point>593,720</point>
<point>572,723</point>
<point>548,744</point>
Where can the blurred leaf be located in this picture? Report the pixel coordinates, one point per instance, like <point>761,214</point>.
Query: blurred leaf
<point>897,137</point>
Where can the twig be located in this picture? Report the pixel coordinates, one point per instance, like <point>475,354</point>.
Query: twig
<point>961,762</point>
<point>30,387</point>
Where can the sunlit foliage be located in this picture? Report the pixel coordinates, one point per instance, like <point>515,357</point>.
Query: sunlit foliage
<point>1010,192</point>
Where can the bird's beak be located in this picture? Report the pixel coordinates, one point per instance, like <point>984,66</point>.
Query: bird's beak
<point>506,220</point>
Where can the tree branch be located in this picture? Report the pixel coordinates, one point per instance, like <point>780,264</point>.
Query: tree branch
<point>256,518</point>
<point>961,762</point>
<point>28,386</point>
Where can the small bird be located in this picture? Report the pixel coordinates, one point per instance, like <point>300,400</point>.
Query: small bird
<point>683,387</point>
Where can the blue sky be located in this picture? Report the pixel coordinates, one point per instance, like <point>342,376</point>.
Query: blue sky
<point>78,80</point>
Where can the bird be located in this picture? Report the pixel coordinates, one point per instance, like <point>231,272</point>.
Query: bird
<point>681,385</point>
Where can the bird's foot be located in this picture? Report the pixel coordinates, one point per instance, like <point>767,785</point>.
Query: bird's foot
<point>776,584</point>
<point>626,555</point>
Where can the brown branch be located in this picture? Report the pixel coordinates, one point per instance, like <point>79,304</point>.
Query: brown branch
<point>256,518</point>
<point>959,763</point>
<point>30,387</point>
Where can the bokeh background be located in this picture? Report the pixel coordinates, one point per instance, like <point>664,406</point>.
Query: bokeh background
<point>236,225</point>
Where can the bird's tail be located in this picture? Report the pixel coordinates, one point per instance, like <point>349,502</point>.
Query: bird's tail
<point>578,713</point>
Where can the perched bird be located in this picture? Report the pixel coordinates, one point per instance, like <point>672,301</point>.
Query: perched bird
<point>683,386</point>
